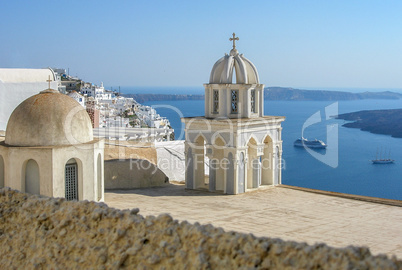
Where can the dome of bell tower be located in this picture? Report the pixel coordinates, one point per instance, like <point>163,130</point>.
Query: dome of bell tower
<point>222,71</point>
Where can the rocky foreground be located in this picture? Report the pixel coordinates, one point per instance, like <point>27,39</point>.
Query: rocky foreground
<point>38,232</point>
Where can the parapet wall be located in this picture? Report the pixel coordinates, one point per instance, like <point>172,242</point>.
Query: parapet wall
<point>40,232</point>
<point>133,173</point>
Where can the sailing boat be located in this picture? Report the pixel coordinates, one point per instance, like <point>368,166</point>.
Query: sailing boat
<point>382,160</point>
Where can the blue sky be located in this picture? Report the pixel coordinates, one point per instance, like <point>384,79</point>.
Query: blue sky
<point>334,44</point>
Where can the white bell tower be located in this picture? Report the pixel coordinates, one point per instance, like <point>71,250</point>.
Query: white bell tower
<point>234,148</point>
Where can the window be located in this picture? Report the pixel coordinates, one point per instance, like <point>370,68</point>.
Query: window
<point>71,182</point>
<point>215,102</point>
<point>252,98</point>
<point>235,101</point>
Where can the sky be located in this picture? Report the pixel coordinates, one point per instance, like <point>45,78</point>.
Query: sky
<point>308,44</point>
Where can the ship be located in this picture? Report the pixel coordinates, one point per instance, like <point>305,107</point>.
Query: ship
<point>382,160</point>
<point>303,142</point>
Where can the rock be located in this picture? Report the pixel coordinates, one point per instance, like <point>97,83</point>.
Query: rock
<point>39,232</point>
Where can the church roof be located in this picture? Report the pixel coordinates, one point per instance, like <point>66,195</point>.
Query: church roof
<point>20,75</point>
<point>49,119</point>
<point>222,71</point>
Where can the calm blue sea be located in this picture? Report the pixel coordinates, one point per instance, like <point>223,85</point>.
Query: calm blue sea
<point>354,174</point>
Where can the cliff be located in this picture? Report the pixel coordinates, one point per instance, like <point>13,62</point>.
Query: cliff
<point>37,232</point>
<point>388,122</point>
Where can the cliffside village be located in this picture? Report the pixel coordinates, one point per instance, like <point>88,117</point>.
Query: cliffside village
<point>114,116</point>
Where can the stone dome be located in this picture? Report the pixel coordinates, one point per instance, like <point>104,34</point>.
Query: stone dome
<point>48,119</point>
<point>222,71</point>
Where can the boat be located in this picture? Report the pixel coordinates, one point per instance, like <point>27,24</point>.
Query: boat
<point>303,142</point>
<point>382,160</point>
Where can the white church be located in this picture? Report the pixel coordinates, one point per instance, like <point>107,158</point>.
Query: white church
<point>49,148</point>
<point>239,146</point>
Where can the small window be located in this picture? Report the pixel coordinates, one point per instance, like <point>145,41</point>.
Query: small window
<point>252,98</point>
<point>71,182</point>
<point>235,101</point>
<point>215,103</point>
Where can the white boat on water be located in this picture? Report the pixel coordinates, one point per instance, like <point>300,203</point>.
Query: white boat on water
<point>303,142</point>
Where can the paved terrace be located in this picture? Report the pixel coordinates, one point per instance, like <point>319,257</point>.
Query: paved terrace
<point>276,212</point>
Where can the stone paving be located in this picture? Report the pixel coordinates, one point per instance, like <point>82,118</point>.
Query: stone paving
<point>276,212</point>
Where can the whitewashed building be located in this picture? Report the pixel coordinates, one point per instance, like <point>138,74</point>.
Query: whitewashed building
<point>98,92</point>
<point>77,97</point>
<point>243,147</point>
<point>149,116</point>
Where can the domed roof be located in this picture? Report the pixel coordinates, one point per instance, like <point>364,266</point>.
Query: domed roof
<point>222,71</point>
<point>48,119</point>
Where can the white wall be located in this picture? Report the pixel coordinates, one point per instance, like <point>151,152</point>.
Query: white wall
<point>12,94</point>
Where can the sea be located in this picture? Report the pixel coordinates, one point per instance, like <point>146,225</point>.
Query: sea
<point>345,166</point>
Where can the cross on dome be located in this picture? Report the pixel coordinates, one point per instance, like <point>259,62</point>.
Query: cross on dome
<point>234,38</point>
<point>49,80</point>
<point>49,90</point>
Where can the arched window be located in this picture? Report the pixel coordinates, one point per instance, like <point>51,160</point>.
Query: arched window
<point>219,170</point>
<point>252,100</point>
<point>234,101</point>
<point>268,162</point>
<point>199,163</point>
<point>215,101</point>
<point>71,180</point>
<point>241,184</point>
<point>254,166</point>
<point>230,180</point>
<point>32,177</point>
<point>189,169</point>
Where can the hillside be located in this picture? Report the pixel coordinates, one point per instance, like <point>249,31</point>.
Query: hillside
<point>280,93</point>
<point>388,122</point>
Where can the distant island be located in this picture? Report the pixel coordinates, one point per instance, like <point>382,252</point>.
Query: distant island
<point>283,93</point>
<point>280,93</point>
<point>388,122</point>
